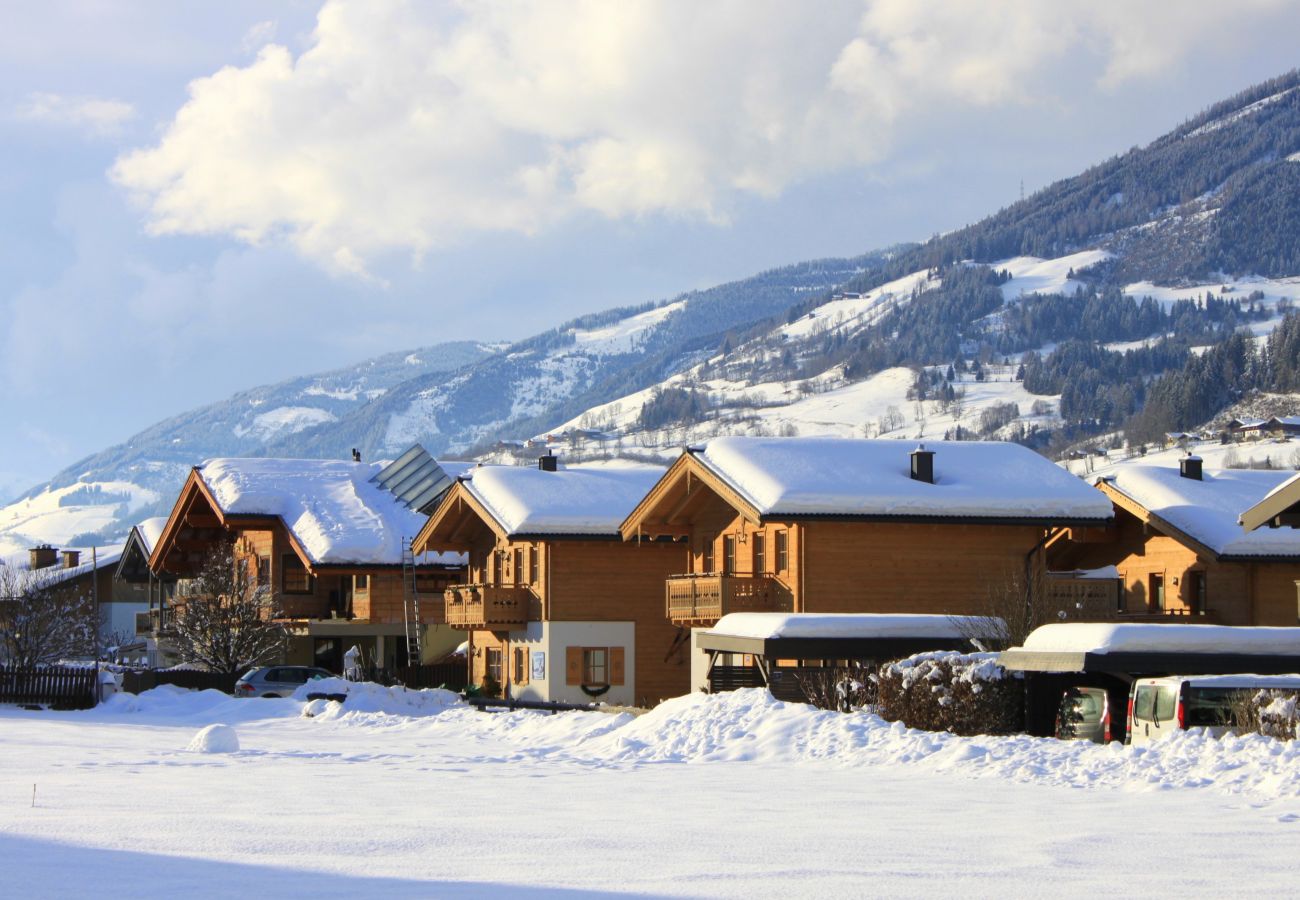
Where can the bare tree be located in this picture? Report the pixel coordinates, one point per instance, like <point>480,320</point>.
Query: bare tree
<point>226,621</point>
<point>1010,609</point>
<point>43,620</point>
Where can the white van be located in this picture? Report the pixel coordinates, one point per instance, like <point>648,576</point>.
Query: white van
<point>1157,706</point>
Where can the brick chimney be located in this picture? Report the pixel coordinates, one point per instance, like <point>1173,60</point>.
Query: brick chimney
<point>1190,467</point>
<point>43,557</point>
<point>71,559</point>
<point>548,463</point>
<point>923,464</point>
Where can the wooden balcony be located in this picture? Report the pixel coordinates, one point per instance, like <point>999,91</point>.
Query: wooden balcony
<point>703,599</point>
<point>490,606</point>
<point>1101,600</point>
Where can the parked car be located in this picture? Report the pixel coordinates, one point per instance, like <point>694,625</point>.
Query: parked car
<point>277,681</point>
<point>1159,706</point>
<point>1085,715</point>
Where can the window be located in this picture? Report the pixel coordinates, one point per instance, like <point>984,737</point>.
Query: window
<point>729,555</point>
<point>760,554</point>
<point>532,564</point>
<point>1196,591</point>
<point>595,668</point>
<point>520,666</point>
<point>782,552</point>
<point>1166,698</point>
<point>294,578</point>
<point>517,569</point>
<point>264,571</point>
<point>360,582</point>
<point>1144,705</point>
<point>706,557</point>
<point>498,565</point>
<point>492,661</point>
<point>1156,583</point>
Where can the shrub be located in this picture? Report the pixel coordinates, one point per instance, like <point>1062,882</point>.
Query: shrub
<point>1272,713</point>
<point>837,688</point>
<point>964,693</point>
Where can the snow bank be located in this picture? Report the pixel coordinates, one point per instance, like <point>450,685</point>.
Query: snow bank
<point>215,739</point>
<point>811,476</point>
<point>366,698</point>
<point>1088,637</point>
<point>573,500</point>
<point>765,626</point>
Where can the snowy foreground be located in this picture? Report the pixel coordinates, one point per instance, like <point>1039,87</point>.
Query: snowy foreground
<point>737,794</point>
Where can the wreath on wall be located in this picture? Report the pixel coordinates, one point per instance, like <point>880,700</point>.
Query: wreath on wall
<point>595,690</point>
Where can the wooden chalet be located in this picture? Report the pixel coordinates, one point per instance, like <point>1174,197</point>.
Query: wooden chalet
<point>836,525</point>
<point>144,593</point>
<point>331,539</point>
<point>1181,553</point>
<point>557,606</point>
<point>81,577</point>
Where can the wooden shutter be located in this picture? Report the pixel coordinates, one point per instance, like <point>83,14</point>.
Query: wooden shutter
<point>573,665</point>
<point>615,665</point>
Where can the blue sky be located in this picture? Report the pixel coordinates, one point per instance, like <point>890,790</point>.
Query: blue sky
<point>198,197</point>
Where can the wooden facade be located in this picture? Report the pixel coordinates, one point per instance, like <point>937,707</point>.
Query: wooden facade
<point>737,560</point>
<point>1168,575</point>
<point>518,586</point>
<point>327,607</point>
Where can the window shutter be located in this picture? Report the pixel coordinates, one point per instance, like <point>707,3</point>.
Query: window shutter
<point>615,665</point>
<point>573,665</point>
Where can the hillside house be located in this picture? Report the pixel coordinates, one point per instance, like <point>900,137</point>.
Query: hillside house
<point>837,525</point>
<point>78,576</point>
<point>331,540</point>
<point>557,606</point>
<point>1180,552</point>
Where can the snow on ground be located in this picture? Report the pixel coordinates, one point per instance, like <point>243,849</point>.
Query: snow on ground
<point>860,310</point>
<point>1273,289</point>
<point>727,795</point>
<point>55,516</point>
<point>1031,275</point>
<point>625,335</point>
<point>285,420</point>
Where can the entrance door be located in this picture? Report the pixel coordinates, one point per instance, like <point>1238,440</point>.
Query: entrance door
<point>1156,584</point>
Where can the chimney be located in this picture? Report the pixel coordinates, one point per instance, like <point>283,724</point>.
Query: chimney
<point>1190,467</point>
<point>356,455</point>
<point>71,559</point>
<point>548,462</point>
<point>923,464</point>
<point>43,556</point>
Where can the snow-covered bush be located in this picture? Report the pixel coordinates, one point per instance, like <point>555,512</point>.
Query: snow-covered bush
<point>836,688</point>
<point>1274,713</point>
<point>964,693</point>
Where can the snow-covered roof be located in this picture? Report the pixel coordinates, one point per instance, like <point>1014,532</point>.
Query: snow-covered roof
<point>58,573</point>
<point>331,506</point>
<point>843,476</point>
<point>584,500</point>
<point>150,530</point>
<point>1208,509</point>
<point>1157,637</point>
<point>769,626</point>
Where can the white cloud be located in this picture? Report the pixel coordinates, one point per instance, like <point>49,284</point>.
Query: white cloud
<point>403,127</point>
<point>93,114</point>
<point>258,36</point>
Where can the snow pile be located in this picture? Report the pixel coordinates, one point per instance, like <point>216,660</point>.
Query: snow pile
<point>574,500</point>
<point>215,739</point>
<point>767,626</point>
<point>1208,509</point>
<point>366,699</point>
<point>330,505</point>
<point>795,476</point>
<point>1136,637</point>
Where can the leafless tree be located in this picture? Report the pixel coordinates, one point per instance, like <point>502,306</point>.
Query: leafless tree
<point>43,620</point>
<point>226,621</point>
<point>1010,608</point>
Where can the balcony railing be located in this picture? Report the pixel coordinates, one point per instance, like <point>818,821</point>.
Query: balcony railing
<point>703,599</point>
<point>1102,600</point>
<point>491,606</point>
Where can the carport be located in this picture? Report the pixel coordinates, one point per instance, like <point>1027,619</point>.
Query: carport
<point>1113,656</point>
<point>771,649</point>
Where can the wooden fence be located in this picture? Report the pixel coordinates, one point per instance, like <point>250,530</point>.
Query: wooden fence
<point>135,682</point>
<point>56,686</point>
<point>453,676</point>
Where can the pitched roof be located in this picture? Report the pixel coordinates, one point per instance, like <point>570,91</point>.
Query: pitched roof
<point>1208,510</point>
<point>149,531</point>
<point>842,476</point>
<point>333,507</point>
<point>576,500</point>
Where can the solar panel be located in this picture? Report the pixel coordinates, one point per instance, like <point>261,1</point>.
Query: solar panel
<point>414,478</point>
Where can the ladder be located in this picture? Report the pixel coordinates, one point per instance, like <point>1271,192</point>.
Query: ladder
<point>411,604</point>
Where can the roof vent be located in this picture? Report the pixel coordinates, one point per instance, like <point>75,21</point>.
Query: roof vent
<point>923,464</point>
<point>42,556</point>
<point>547,463</point>
<point>1190,467</point>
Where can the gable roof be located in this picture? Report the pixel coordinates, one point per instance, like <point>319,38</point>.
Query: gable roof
<point>590,500</point>
<point>1281,499</point>
<point>1207,511</point>
<point>870,479</point>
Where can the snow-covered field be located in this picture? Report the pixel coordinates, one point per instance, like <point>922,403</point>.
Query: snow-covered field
<point>731,795</point>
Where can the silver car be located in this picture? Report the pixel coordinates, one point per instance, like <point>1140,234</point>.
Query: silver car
<point>277,681</point>
<point>1085,715</point>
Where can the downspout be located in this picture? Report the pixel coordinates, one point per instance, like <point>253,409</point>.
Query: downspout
<point>1029,571</point>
